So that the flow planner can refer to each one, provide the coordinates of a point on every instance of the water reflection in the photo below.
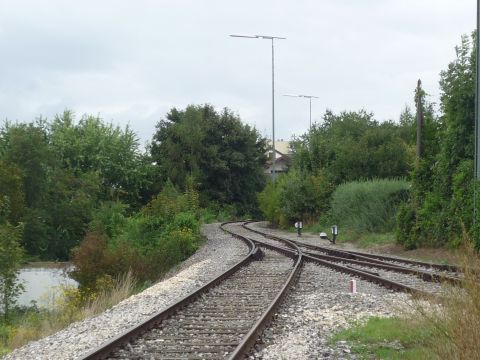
(41, 284)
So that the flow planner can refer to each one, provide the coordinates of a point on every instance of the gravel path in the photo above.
(80, 337)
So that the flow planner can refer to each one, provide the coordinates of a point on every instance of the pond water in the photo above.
(41, 284)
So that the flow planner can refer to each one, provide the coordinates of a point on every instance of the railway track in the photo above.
(221, 320)
(224, 319)
(417, 277)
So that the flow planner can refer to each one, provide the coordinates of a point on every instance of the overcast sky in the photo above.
(132, 61)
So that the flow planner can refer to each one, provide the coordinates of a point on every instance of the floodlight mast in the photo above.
(272, 38)
(309, 97)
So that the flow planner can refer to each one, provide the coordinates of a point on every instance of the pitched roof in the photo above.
(281, 146)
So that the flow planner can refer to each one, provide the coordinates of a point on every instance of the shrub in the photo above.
(91, 259)
(295, 196)
(109, 218)
(405, 226)
(368, 206)
(269, 202)
(186, 221)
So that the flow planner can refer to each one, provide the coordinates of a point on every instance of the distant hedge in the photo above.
(369, 206)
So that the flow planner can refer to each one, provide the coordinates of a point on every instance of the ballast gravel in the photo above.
(318, 307)
(219, 252)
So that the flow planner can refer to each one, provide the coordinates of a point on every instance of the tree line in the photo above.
(345, 147)
(440, 209)
(436, 208)
(56, 175)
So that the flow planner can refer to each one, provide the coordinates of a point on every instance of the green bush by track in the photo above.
(368, 206)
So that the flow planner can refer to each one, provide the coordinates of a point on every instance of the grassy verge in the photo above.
(388, 338)
(29, 324)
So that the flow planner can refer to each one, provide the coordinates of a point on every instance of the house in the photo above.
(283, 153)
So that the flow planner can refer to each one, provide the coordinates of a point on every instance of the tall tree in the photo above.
(352, 146)
(11, 255)
(223, 155)
(442, 203)
(92, 145)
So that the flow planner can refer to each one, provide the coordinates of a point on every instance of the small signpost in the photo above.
(334, 233)
(298, 226)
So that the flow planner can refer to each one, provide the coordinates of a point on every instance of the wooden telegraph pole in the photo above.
(420, 121)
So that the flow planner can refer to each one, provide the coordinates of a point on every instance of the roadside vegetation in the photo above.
(365, 176)
(350, 171)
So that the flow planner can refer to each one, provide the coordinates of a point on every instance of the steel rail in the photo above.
(442, 267)
(251, 337)
(104, 350)
(366, 275)
(424, 275)
(329, 261)
(375, 259)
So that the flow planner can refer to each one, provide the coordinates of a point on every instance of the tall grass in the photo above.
(457, 317)
(368, 206)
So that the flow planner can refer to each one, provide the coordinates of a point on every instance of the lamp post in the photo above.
(309, 97)
(272, 38)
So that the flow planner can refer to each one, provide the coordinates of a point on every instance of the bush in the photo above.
(405, 226)
(269, 202)
(368, 206)
(186, 221)
(148, 244)
(295, 196)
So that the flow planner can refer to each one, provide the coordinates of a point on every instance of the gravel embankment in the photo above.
(218, 253)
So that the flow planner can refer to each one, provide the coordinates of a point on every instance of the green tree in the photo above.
(454, 170)
(441, 206)
(26, 147)
(224, 156)
(11, 188)
(353, 146)
(91, 145)
(11, 255)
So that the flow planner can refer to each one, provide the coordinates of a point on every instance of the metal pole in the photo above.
(273, 89)
(273, 111)
(310, 98)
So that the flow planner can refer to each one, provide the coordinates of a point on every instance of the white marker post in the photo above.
(352, 287)
(334, 233)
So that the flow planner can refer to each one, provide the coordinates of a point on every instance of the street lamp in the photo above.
(309, 97)
(273, 86)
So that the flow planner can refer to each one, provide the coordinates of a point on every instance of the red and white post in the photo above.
(352, 287)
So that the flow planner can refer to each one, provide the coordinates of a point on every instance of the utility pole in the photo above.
(477, 101)
(477, 121)
(420, 120)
